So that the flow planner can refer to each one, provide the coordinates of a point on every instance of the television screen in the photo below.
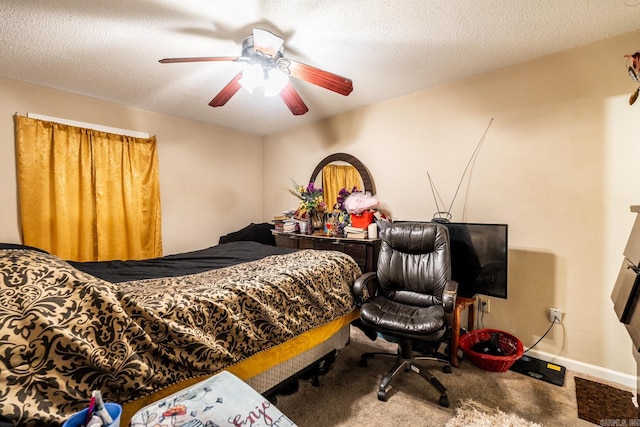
(479, 258)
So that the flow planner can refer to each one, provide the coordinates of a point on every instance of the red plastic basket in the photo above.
(510, 344)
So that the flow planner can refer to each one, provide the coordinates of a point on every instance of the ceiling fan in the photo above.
(268, 70)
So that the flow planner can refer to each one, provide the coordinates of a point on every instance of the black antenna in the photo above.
(475, 153)
(446, 216)
(442, 216)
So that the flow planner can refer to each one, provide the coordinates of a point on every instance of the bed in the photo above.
(140, 330)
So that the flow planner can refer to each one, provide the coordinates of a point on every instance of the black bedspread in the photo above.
(219, 256)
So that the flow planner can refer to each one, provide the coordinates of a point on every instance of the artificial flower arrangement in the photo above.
(339, 218)
(311, 200)
(342, 196)
(349, 203)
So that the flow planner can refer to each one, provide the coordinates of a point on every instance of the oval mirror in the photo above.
(345, 159)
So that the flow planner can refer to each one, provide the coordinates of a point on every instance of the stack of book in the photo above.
(284, 223)
(355, 232)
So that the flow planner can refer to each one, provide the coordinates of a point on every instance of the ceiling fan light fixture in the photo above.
(252, 77)
(275, 82)
(269, 83)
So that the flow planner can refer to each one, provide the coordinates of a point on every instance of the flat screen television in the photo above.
(479, 258)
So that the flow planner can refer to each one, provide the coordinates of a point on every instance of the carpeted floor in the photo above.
(347, 395)
(601, 403)
(470, 413)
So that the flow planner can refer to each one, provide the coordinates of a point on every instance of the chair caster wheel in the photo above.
(446, 369)
(444, 401)
(382, 395)
(363, 363)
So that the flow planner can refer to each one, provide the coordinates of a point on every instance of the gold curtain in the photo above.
(87, 195)
(337, 177)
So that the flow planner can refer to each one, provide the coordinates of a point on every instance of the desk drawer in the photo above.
(284, 241)
(357, 252)
(329, 245)
(305, 243)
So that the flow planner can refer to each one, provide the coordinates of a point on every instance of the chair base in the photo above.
(405, 360)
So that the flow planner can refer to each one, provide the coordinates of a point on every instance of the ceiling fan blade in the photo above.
(227, 92)
(316, 76)
(293, 100)
(266, 42)
(202, 59)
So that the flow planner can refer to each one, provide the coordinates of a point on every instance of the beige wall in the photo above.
(207, 174)
(559, 165)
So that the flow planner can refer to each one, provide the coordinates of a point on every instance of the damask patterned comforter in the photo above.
(64, 333)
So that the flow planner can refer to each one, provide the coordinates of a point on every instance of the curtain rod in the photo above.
(101, 128)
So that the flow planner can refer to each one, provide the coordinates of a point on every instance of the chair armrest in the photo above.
(449, 296)
(368, 281)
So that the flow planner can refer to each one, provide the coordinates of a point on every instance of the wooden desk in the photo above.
(461, 304)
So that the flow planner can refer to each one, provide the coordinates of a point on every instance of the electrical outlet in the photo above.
(555, 315)
(485, 306)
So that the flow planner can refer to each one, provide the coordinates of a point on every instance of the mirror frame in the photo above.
(367, 179)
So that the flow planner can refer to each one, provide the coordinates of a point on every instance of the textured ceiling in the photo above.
(109, 49)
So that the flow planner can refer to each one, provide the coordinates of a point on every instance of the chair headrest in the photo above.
(414, 237)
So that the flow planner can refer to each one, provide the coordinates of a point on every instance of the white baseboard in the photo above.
(605, 374)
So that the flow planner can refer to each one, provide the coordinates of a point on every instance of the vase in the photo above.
(309, 223)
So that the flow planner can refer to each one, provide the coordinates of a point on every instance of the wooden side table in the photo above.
(461, 304)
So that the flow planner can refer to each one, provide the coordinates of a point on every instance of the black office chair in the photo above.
(408, 296)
